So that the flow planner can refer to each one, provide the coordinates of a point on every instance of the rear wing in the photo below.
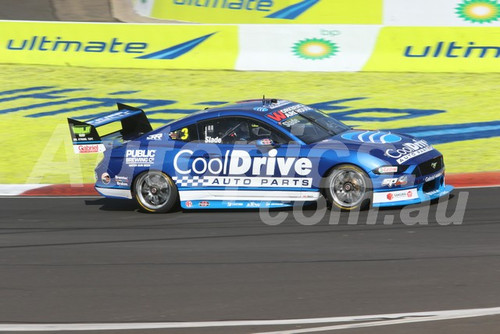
(86, 139)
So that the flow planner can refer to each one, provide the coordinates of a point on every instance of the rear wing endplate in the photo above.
(86, 139)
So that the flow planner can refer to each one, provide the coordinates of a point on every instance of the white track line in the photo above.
(410, 318)
(383, 320)
(18, 189)
(477, 187)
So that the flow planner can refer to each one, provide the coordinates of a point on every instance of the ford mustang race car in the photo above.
(254, 154)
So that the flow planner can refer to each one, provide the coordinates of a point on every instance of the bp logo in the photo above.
(315, 48)
(479, 11)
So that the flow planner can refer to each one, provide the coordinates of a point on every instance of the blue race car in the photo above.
(258, 153)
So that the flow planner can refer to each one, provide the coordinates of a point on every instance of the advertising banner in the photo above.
(478, 13)
(267, 11)
(119, 45)
(252, 47)
(305, 48)
(436, 49)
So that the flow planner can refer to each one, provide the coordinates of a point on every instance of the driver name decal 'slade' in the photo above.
(239, 169)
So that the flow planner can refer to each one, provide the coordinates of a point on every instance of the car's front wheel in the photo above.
(155, 191)
(348, 187)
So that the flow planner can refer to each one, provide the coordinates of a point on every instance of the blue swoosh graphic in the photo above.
(176, 50)
(372, 137)
(293, 11)
(56, 101)
(449, 133)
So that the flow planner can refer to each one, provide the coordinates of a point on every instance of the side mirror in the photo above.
(265, 142)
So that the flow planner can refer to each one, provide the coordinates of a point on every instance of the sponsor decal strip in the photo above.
(89, 148)
(463, 180)
(401, 181)
(249, 195)
(140, 158)
(395, 196)
(243, 181)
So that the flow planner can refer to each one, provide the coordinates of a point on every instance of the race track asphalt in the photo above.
(90, 260)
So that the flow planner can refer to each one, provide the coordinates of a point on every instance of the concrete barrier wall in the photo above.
(443, 13)
(384, 12)
(436, 49)
(119, 45)
(253, 46)
(265, 11)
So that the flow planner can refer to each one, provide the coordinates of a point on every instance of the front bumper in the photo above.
(411, 195)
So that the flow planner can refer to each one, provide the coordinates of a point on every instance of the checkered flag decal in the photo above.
(188, 181)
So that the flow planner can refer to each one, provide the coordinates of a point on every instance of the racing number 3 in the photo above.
(184, 133)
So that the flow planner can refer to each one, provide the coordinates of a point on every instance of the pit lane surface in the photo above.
(91, 260)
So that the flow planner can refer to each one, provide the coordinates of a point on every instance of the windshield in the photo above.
(308, 124)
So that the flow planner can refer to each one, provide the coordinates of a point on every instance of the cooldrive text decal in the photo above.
(239, 162)
(409, 150)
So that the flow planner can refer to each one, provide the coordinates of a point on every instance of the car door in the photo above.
(247, 160)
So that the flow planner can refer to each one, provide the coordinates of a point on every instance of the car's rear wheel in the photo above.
(155, 191)
(348, 187)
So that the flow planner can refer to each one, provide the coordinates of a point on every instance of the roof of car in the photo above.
(252, 107)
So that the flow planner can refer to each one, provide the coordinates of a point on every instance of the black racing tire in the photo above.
(348, 188)
(155, 191)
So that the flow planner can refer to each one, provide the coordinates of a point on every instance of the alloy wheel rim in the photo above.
(153, 190)
(347, 188)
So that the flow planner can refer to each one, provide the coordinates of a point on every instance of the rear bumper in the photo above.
(114, 192)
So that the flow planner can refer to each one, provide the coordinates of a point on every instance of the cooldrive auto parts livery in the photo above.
(258, 153)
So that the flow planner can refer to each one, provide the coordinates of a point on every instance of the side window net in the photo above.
(236, 130)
